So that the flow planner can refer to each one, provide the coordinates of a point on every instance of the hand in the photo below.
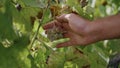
(75, 28)
(84, 32)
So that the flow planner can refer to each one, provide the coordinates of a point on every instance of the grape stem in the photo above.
(47, 47)
(40, 23)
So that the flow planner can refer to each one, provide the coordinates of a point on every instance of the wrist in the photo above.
(93, 32)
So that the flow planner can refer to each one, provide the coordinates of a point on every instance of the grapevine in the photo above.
(25, 44)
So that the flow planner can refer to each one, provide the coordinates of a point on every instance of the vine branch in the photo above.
(40, 23)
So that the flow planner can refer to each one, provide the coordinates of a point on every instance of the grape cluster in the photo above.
(54, 33)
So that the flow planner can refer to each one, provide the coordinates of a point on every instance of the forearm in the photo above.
(105, 28)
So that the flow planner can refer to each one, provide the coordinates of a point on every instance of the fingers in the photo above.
(59, 20)
(69, 43)
(62, 18)
(66, 27)
(65, 17)
(64, 44)
(51, 24)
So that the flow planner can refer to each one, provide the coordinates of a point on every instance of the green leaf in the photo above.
(77, 7)
(101, 53)
(56, 60)
(22, 19)
(6, 23)
(35, 3)
(47, 16)
(114, 45)
(76, 57)
(40, 59)
(22, 42)
(96, 56)
(14, 56)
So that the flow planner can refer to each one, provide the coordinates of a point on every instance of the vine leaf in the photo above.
(35, 3)
(6, 25)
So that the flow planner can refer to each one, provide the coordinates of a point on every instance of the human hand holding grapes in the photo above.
(83, 32)
(73, 28)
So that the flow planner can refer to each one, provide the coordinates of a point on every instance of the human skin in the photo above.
(83, 32)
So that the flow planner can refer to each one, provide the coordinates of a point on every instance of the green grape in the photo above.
(54, 34)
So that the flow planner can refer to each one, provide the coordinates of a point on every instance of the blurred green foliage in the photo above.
(21, 19)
